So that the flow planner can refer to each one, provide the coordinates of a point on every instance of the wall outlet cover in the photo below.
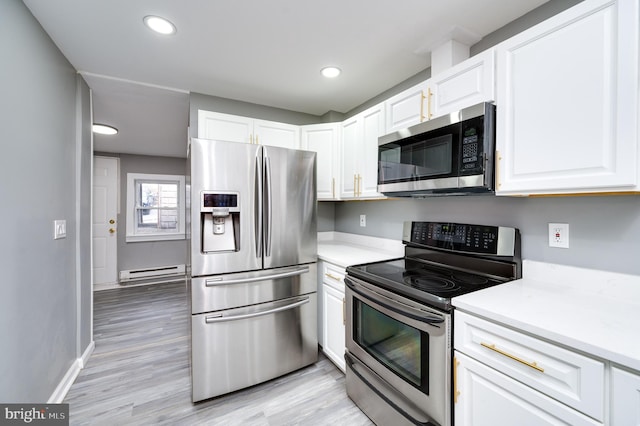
(559, 235)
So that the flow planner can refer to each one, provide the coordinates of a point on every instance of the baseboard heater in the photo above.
(159, 273)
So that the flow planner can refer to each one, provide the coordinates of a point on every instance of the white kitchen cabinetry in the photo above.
(467, 83)
(359, 142)
(486, 397)
(333, 313)
(323, 139)
(233, 128)
(407, 108)
(561, 374)
(567, 103)
(625, 398)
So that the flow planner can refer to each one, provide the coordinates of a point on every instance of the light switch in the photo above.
(59, 229)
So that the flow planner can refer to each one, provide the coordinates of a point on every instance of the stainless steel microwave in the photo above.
(448, 155)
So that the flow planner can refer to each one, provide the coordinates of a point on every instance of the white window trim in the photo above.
(131, 236)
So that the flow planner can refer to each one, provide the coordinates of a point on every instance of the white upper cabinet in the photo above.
(467, 83)
(359, 142)
(406, 108)
(567, 103)
(234, 128)
(323, 139)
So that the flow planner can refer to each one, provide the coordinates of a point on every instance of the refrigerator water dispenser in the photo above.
(220, 216)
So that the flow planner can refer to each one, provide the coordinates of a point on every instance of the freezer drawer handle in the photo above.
(220, 281)
(216, 318)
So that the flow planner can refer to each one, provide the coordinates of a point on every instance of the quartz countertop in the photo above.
(596, 312)
(344, 249)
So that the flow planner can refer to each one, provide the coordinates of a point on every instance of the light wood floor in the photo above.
(139, 373)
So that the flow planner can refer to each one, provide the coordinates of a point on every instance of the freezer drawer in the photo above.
(219, 292)
(237, 348)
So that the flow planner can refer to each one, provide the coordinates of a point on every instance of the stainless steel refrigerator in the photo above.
(252, 254)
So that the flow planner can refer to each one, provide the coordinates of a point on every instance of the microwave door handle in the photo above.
(258, 203)
(423, 317)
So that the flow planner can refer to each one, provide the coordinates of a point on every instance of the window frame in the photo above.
(132, 186)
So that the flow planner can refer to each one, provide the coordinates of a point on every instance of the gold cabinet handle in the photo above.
(359, 185)
(422, 98)
(111, 230)
(112, 221)
(333, 277)
(498, 161)
(456, 392)
(251, 138)
(513, 357)
(355, 185)
(429, 95)
(257, 143)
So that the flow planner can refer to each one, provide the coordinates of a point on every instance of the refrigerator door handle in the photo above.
(220, 281)
(268, 210)
(258, 203)
(219, 318)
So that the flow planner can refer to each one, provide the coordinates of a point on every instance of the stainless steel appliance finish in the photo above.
(252, 254)
(399, 322)
(448, 155)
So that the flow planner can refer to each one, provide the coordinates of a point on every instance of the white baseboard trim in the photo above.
(63, 387)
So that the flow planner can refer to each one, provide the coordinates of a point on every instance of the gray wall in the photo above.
(145, 254)
(604, 231)
(44, 150)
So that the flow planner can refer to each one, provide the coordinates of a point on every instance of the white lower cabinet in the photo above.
(486, 397)
(333, 313)
(625, 398)
(507, 377)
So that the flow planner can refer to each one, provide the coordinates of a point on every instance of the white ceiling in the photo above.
(258, 51)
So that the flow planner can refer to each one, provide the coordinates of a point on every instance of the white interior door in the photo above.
(105, 209)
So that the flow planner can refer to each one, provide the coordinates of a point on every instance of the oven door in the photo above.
(398, 354)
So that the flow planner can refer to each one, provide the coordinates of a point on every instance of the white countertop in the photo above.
(596, 312)
(344, 249)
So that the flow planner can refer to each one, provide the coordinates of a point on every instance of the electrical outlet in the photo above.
(363, 220)
(559, 235)
(59, 229)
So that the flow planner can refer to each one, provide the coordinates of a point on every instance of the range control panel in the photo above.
(466, 238)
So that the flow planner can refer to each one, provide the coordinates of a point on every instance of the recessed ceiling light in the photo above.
(330, 72)
(103, 129)
(159, 25)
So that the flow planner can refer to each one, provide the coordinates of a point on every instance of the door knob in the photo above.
(111, 230)
(112, 221)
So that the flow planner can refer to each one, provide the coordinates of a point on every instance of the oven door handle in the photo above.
(350, 364)
(429, 319)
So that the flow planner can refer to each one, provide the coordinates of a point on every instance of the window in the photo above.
(155, 207)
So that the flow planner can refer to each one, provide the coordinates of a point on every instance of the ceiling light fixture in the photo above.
(330, 72)
(104, 129)
(159, 25)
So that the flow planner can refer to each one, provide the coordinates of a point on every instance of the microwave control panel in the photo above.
(472, 147)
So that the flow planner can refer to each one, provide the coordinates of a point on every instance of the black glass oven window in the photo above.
(401, 348)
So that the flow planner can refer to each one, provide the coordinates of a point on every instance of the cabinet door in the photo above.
(406, 108)
(625, 398)
(272, 133)
(372, 128)
(224, 127)
(486, 397)
(323, 139)
(350, 144)
(468, 83)
(334, 323)
(567, 94)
